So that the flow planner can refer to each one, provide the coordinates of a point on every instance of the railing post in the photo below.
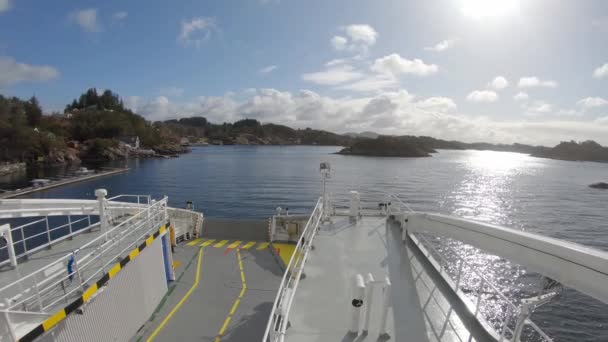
(38, 298)
(70, 224)
(23, 240)
(357, 301)
(103, 220)
(505, 323)
(368, 303)
(10, 329)
(459, 274)
(5, 230)
(483, 281)
(385, 305)
(48, 231)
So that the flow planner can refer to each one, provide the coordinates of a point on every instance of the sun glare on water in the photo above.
(480, 9)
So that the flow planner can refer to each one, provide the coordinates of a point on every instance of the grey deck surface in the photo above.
(202, 315)
(322, 305)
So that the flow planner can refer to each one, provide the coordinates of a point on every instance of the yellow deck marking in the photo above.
(235, 244)
(53, 320)
(115, 269)
(220, 244)
(181, 301)
(176, 264)
(237, 301)
(207, 243)
(262, 245)
(134, 253)
(248, 245)
(234, 306)
(89, 293)
(193, 242)
(285, 251)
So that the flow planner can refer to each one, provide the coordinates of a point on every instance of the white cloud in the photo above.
(371, 83)
(339, 43)
(333, 75)
(441, 46)
(533, 81)
(12, 72)
(569, 112)
(364, 34)
(171, 91)
(355, 38)
(521, 96)
(335, 62)
(592, 102)
(268, 69)
(499, 82)
(396, 65)
(482, 96)
(601, 72)
(439, 104)
(120, 15)
(5, 5)
(196, 31)
(86, 19)
(538, 107)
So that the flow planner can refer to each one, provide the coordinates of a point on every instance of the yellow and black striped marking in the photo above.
(52, 321)
(259, 245)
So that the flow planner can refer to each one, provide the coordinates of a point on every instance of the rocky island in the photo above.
(388, 146)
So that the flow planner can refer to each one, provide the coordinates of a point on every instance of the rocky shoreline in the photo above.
(8, 168)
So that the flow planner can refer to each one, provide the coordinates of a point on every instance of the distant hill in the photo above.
(367, 134)
(585, 151)
(252, 132)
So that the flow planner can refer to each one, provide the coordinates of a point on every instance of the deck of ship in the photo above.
(421, 308)
(212, 300)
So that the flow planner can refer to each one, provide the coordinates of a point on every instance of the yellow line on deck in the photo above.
(207, 243)
(237, 300)
(220, 244)
(234, 244)
(181, 301)
(248, 245)
(262, 245)
(193, 242)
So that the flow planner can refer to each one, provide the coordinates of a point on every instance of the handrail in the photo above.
(511, 307)
(100, 252)
(279, 318)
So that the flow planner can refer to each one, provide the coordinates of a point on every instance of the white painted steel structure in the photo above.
(279, 315)
(576, 266)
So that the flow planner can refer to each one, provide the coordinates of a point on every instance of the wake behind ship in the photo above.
(360, 267)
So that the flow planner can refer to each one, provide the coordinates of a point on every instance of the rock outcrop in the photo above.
(386, 146)
(599, 185)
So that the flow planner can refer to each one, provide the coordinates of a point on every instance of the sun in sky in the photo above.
(480, 9)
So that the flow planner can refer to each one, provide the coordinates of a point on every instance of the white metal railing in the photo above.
(66, 277)
(486, 290)
(45, 237)
(501, 329)
(139, 199)
(279, 315)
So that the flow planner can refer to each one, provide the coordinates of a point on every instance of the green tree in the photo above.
(33, 112)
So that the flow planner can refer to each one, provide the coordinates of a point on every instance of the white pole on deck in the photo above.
(103, 219)
(369, 295)
(5, 230)
(386, 303)
(356, 303)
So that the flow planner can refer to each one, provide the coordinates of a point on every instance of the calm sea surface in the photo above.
(544, 196)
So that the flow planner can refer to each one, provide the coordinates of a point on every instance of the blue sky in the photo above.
(533, 71)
